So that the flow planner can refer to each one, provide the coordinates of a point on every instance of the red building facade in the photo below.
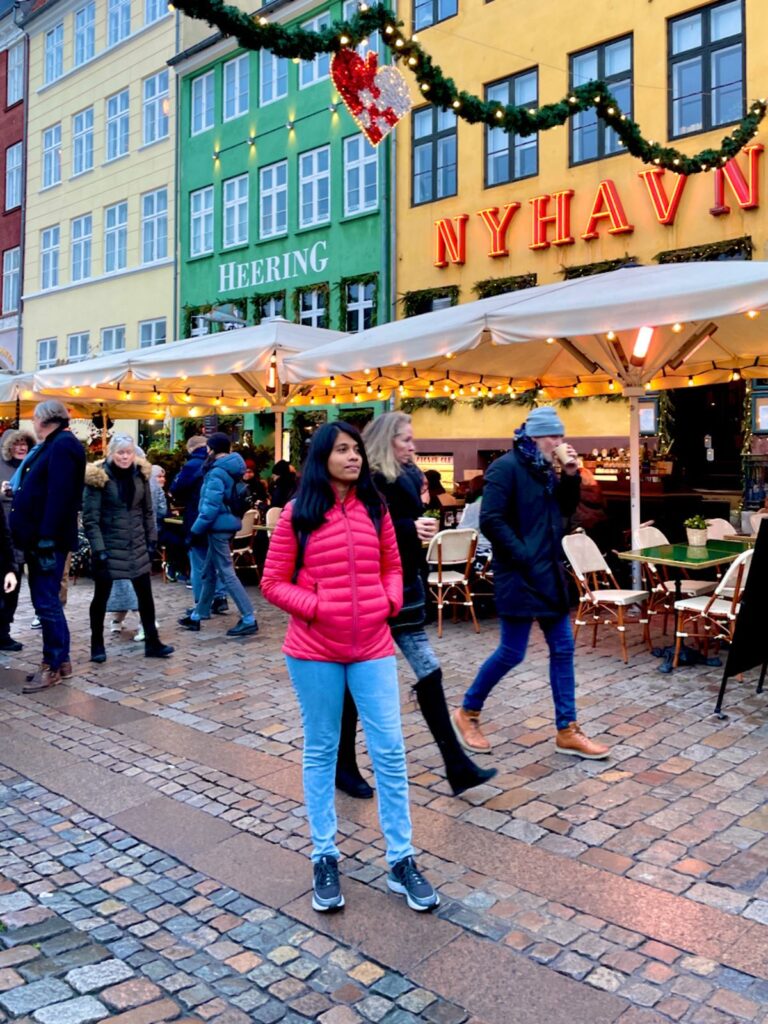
(13, 80)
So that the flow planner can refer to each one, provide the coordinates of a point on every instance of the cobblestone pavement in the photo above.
(153, 847)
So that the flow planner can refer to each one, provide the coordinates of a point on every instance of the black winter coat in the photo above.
(524, 525)
(126, 534)
(403, 498)
(49, 495)
(185, 487)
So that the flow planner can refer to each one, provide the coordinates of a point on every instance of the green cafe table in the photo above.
(689, 558)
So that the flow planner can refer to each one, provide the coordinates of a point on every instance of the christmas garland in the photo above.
(732, 249)
(421, 301)
(296, 43)
(362, 280)
(260, 301)
(528, 399)
(501, 285)
(325, 292)
(601, 267)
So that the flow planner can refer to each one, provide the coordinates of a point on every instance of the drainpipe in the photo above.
(22, 261)
(177, 190)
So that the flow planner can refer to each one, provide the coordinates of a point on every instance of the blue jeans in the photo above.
(196, 563)
(417, 651)
(218, 562)
(44, 590)
(511, 651)
(319, 686)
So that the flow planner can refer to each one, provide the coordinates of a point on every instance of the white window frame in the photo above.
(313, 71)
(11, 280)
(154, 10)
(360, 305)
(82, 141)
(113, 339)
(154, 225)
(118, 21)
(156, 108)
(236, 87)
(310, 176)
(116, 237)
(234, 201)
(152, 332)
(49, 257)
(270, 310)
(350, 9)
(201, 221)
(118, 125)
(269, 196)
(14, 79)
(203, 95)
(358, 165)
(46, 353)
(54, 53)
(78, 345)
(317, 312)
(85, 33)
(52, 156)
(81, 243)
(273, 78)
(14, 156)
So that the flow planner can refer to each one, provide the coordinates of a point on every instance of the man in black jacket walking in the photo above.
(524, 503)
(43, 523)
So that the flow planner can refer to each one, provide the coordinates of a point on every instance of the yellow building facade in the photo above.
(100, 225)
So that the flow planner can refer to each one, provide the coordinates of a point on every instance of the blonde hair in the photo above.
(120, 441)
(379, 435)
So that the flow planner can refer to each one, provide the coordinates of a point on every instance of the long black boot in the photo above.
(461, 772)
(348, 777)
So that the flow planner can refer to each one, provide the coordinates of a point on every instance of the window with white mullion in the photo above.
(360, 301)
(236, 87)
(315, 187)
(11, 279)
(273, 78)
(54, 53)
(13, 157)
(201, 221)
(49, 257)
(312, 71)
(154, 226)
(156, 108)
(81, 237)
(235, 211)
(202, 103)
(46, 353)
(152, 332)
(351, 8)
(15, 74)
(273, 200)
(113, 339)
(312, 308)
(154, 10)
(85, 33)
(77, 346)
(361, 175)
(115, 238)
(52, 156)
(118, 21)
(82, 141)
(118, 125)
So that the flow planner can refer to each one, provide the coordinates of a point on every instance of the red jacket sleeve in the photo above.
(391, 570)
(276, 585)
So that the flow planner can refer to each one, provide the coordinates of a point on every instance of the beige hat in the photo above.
(195, 442)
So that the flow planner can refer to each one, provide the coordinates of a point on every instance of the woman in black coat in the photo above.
(120, 524)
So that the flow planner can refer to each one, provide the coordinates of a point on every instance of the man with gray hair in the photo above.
(46, 499)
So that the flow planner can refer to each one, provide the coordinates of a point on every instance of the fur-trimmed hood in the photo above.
(97, 476)
(8, 440)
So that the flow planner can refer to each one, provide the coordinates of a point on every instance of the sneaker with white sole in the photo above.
(326, 889)
(36, 623)
(405, 879)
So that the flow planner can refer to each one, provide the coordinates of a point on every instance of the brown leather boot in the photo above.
(65, 669)
(572, 740)
(46, 678)
(466, 725)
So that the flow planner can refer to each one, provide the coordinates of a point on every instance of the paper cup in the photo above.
(563, 455)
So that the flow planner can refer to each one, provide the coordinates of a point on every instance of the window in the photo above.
(46, 353)
(311, 71)
(202, 103)
(273, 197)
(235, 194)
(77, 346)
(82, 141)
(315, 187)
(115, 238)
(14, 82)
(52, 156)
(350, 9)
(706, 58)
(113, 339)
(273, 77)
(270, 306)
(429, 12)
(151, 332)
(434, 155)
(154, 10)
(85, 33)
(201, 221)
(611, 63)
(154, 226)
(156, 108)
(54, 53)
(510, 157)
(13, 176)
(118, 21)
(236, 87)
(312, 308)
(361, 297)
(82, 234)
(361, 175)
(49, 257)
(118, 125)
(11, 279)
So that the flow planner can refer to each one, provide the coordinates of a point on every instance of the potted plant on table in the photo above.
(696, 530)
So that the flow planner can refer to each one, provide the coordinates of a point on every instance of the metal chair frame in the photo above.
(451, 586)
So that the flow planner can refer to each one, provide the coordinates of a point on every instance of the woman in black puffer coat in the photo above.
(119, 521)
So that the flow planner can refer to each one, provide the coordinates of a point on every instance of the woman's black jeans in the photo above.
(101, 591)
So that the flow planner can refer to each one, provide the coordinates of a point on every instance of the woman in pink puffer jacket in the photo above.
(333, 565)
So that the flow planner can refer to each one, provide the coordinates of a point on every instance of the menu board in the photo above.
(442, 463)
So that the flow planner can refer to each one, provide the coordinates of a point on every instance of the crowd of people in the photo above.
(347, 563)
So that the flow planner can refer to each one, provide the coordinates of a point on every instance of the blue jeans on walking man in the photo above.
(197, 558)
(44, 589)
(218, 562)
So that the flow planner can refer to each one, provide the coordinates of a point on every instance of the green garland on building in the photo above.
(419, 301)
(190, 312)
(601, 267)
(259, 302)
(528, 399)
(732, 249)
(362, 280)
(325, 292)
(501, 285)
(258, 33)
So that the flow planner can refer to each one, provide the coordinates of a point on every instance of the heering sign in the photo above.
(551, 214)
(273, 269)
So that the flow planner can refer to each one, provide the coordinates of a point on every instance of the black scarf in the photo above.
(126, 483)
(530, 455)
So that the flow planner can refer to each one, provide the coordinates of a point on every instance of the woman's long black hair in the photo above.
(315, 496)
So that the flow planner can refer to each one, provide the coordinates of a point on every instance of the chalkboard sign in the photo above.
(749, 647)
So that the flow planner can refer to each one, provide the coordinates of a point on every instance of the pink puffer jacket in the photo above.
(350, 583)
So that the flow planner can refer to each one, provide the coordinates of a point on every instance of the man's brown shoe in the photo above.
(65, 671)
(572, 740)
(43, 680)
(466, 725)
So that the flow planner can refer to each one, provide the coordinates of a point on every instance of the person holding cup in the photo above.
(524, 502)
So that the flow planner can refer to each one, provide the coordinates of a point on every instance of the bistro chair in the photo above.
(713, 619)
(755, 520)
(242, 543)
(601, 600)
(273, 514)
(453, 552)
(663, 590)
(717, 529)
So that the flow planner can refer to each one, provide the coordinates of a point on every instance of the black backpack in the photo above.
(238, 499)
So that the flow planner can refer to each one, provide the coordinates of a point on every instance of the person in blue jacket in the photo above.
(212, 531)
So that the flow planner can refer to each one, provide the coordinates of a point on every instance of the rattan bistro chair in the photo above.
(452, 551)
(273, 514)
(601, 600)
(242, 543)
(662, 589)
(718, 528)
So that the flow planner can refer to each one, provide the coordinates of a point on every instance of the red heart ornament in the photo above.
(377, 98)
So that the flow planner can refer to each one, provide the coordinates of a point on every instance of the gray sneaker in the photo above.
(326, 890)
(405, 879)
